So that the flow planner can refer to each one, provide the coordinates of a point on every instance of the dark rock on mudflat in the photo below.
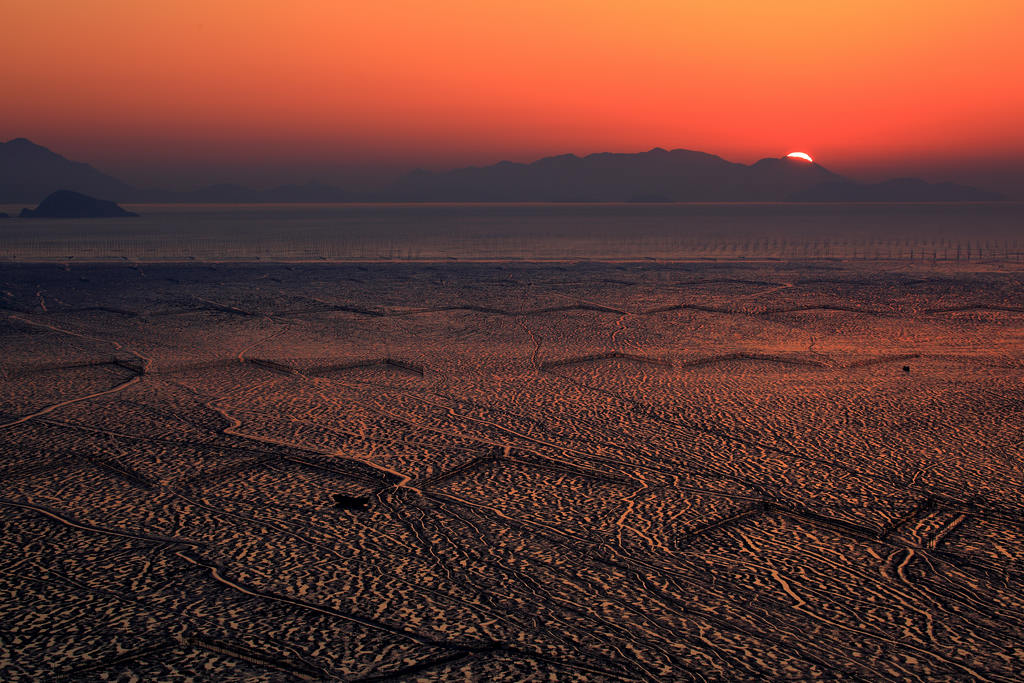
(68, 204)
(350, 502)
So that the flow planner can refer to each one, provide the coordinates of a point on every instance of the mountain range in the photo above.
(30, 172)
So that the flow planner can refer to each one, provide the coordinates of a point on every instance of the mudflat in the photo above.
(719, 470)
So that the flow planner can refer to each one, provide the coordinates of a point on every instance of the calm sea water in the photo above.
(525, 231)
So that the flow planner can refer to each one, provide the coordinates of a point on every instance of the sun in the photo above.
(800, 155)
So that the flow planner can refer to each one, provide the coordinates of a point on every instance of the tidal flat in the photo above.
(632, 470)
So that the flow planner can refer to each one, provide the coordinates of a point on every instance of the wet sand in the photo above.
(631, 470)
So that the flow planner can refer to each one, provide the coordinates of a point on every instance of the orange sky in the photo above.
(859, 84)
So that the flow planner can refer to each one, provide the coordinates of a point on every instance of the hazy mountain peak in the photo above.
(30, 172)
(22, 142)
(679, 175)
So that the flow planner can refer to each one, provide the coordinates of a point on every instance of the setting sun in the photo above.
(800, 155)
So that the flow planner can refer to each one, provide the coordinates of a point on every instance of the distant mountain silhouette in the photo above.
(68, 204)
(659, 175)
(29, 172)
(897, 190)
(311, 192)
(663, 176)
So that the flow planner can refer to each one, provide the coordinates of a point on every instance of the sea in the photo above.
(534, 232)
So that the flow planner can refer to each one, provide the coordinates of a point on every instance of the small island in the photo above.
(68, 204)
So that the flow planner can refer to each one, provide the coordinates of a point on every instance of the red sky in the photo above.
(157, 89)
